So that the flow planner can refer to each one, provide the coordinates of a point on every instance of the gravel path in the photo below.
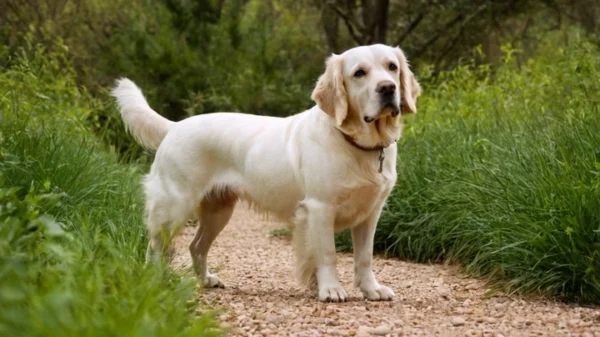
(262, 297)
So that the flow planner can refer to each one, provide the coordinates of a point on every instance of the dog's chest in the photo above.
(354, 205)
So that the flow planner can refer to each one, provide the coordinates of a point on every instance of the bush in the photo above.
(500, 172)
(72, 238)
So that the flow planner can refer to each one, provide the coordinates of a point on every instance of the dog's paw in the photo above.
(377, 293)
(332, 294)
(212, 281)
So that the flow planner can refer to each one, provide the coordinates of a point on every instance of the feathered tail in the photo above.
(146, 125)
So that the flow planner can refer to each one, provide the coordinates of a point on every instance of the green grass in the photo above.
(500, 172)
(281, 233)
(72, 238)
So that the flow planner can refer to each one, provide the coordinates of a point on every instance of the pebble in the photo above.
(274, 319)
(500, 306)
(502, 299)
(473, 286)
(488, 333)
(363, 331)
(381, 330)
(474, 333)
(458, 321)
(497, 314)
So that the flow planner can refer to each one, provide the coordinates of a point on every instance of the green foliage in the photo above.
(72, 238)
(189, 57)
(500, 172)
(282, 233)
(268, 68)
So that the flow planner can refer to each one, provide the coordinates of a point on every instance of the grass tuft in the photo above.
(72, 239)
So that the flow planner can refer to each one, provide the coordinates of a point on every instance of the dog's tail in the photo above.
(146, 125)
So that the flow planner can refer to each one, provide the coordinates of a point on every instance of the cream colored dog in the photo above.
(323, 170)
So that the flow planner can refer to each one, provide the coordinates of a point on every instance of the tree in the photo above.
(440, 31)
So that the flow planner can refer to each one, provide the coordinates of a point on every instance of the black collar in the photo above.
(350, 140)
(377, 148)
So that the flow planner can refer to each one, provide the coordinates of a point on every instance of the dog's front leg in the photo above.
(362, 241)
(320, 236)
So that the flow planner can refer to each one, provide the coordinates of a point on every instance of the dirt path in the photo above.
(262, 297)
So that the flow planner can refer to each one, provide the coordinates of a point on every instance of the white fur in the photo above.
(146, 126)
(299, 168)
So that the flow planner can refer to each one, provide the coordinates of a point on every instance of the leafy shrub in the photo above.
(72, 239)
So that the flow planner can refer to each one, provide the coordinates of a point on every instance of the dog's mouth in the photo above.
(387, 109)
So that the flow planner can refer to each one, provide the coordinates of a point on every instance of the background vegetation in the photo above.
(71, 235)
(498, 172)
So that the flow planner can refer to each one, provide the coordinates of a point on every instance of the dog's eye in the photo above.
(359, 73)
(393, 67)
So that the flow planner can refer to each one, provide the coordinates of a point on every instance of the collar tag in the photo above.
(381, 159)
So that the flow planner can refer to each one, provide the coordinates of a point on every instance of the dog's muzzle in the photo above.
(390, 108)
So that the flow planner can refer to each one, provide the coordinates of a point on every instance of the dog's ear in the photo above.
(411, 89)
(330, 93)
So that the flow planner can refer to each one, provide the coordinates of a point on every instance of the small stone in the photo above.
(502, 299)
(381, 330)
(334, 332)
(491, 320)
(500, 306)
(458, 321)
(273, 319)
(362, 332)
(473, 286)
(398, 333)
(464, 311)
(573, 323)
(497, 314)
(473, 333)
(517, 323)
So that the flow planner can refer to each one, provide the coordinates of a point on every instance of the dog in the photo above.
(323, 170)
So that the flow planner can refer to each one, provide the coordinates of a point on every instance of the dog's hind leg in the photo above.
(213, 214)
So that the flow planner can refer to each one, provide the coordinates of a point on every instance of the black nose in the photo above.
(386, 88)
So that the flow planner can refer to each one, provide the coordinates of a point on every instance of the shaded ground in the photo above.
(262, 297)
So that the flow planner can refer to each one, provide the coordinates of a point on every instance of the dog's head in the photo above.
(366, 84)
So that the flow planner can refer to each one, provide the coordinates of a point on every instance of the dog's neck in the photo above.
(373, 136)
(352, 142)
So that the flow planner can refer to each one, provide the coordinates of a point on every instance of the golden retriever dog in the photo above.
(322, 170)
